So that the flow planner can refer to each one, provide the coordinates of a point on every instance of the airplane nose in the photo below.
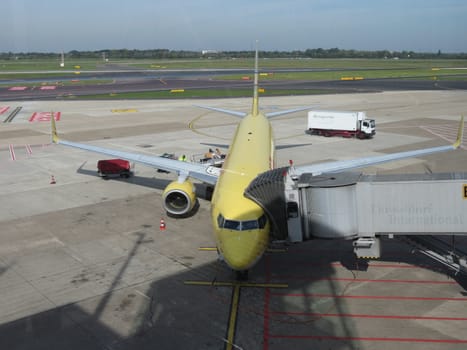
(244, 250)
(238, 263)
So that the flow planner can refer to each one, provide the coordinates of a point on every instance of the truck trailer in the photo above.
(340, 123)
(113, 168)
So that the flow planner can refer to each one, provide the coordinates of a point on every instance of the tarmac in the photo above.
(85, 265)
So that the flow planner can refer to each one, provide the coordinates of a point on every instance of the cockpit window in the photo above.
(220, 221)
(232, 225)
(262, 221)
(241, 225)
(250, 225)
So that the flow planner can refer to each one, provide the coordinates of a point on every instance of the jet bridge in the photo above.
(412, 207)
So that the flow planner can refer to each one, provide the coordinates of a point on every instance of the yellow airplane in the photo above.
(241, 226)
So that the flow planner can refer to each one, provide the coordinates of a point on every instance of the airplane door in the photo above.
(293, 222)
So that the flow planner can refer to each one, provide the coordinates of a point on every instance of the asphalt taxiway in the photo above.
(84, 264)
(138, 80)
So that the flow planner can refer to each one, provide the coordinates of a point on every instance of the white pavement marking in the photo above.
(445, 132)
(12, 152)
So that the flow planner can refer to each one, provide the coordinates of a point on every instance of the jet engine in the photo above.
(179, 198)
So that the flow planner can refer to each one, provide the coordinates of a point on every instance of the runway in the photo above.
(84, 264)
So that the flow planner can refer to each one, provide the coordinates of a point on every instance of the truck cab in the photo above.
(367, 128)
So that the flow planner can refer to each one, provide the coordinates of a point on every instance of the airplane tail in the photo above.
(255, 107)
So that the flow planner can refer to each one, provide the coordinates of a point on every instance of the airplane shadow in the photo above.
(203, 191)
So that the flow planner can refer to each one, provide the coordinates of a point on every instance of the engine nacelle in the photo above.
(179, 198)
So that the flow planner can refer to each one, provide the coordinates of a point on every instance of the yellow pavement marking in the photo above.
(235, 284)
(209, 249)
(269, 250)
(191, 126)
(124, 110)
(233, 317)
(235, 300)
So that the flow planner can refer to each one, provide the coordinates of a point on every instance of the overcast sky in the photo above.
(56, 25)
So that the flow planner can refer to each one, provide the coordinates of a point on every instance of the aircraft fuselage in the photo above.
(240, 226)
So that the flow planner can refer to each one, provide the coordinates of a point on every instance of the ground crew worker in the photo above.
(209, 154)
(182, 158)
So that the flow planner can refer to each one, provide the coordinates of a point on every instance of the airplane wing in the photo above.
(207, 174)
(243, 114)
(343, 165)
(287, 111)
(226, 111)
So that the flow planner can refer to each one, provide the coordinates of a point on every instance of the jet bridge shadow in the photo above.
(147, 305)
(164, 313)
(167, 314)
(396, 251)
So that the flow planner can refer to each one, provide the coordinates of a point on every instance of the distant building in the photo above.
(209, 52)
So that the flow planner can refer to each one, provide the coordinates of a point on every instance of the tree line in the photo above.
(185, 54)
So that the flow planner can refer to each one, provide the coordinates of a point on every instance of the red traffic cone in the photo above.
(162, 225)
(52, 180)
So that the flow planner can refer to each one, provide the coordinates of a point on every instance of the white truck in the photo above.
(339, 123)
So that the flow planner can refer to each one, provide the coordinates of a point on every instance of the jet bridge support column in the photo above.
(440, 250)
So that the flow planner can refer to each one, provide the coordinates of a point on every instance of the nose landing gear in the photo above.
(241, 275)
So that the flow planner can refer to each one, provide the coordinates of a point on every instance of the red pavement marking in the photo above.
(398, 317)
(267, 299)
(364, 280)
(44, 116)
(380, 297)
(4, 109)
(18, 88)
(12, 152)
(406, 340)
(48, 87)
(370, 265)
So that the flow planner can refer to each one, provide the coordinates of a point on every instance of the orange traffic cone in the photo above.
(162, 225)
(52, 180)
